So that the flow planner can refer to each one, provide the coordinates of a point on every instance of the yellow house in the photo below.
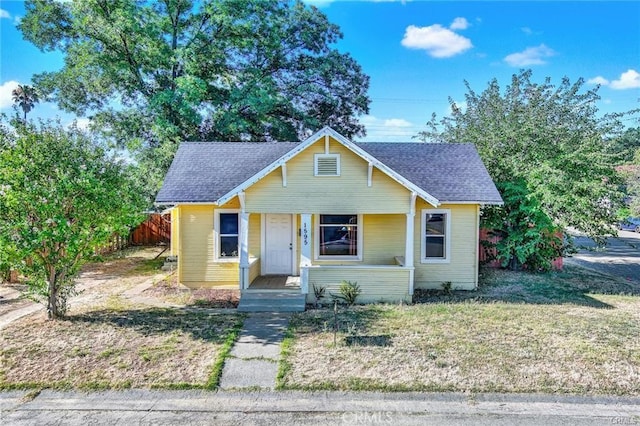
(296, 216)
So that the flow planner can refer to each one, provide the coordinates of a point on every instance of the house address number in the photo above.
(305, 234)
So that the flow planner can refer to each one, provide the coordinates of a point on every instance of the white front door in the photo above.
(278, 244)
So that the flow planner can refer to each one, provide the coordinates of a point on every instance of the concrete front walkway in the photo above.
(255, 356)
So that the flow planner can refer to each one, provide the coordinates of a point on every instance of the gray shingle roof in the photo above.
(206, 171)
(449, 172)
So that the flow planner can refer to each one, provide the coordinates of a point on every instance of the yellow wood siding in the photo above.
(347, 193)
(462, 267)
(254, 236)
(175, 235)
(377, 284)
(384, 238)
(196, 264)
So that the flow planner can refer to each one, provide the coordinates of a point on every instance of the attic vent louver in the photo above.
(327, 165)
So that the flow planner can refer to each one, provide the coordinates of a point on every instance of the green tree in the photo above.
(61, 195)
(527, 236)
(631, 175)
(154, 73)
(624, 146)
(549, 137)
(26, 98)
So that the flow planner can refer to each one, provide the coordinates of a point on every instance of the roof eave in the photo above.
(482, 203)
(175, 203)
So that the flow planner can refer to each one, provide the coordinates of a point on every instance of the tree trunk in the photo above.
(52, 302)
(514, 264)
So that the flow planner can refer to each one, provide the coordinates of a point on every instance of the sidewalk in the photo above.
(255, 355)
(200, 407)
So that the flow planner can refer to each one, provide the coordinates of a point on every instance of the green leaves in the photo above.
(527, 236)
(550, 137)
(207, 70)
(62, 196)
(544, 144)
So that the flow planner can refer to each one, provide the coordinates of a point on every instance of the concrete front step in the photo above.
(271, 301)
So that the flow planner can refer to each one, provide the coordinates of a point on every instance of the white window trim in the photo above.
(447, 237)
(316, 238)
(315, 164)
(216, 236)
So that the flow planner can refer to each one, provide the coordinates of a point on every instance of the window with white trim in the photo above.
(436, 236)
(227, 234)
(326, 165)
(339, 236)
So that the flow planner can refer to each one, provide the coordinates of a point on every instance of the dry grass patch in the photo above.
(115, 348)
(171, 291)
(540, 339)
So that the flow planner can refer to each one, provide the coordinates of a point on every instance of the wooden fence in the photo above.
(117, 242)
(155, 229)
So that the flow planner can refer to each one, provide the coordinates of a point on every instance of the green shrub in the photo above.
(318, 293)
(349, 292)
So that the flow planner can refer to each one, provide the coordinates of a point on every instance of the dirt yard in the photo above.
(131, 276)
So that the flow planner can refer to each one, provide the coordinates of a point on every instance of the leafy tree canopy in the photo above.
(61, 196)
(631, 175)
(624, 147)
(550, 137)
(153, 73)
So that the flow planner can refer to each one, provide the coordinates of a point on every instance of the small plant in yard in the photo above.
(349, 292)
(447, 287)
(318, 293)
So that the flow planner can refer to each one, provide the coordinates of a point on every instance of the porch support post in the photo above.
(244, 251)
(244, 244)
(408, 248)
(305, 251)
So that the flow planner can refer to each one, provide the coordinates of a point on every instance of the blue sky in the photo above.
(418, 53)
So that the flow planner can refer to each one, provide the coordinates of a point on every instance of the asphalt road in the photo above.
(141, 407)
(620, 257)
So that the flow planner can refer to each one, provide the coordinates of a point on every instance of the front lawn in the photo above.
(119, 335)
(117, 348)
(519, 333)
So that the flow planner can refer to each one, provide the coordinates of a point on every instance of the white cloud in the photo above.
(389, 129)
(628, 80)
(397, 122)
(459, 24)
(6, 15)
(526, 30)
(439, 42)
(82, 123)
(6, 100)
(530, 56)
(598, 80)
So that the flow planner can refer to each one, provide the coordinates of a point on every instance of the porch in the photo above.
(273, 293)
(275, 282)
(291, 254)
(284, 293)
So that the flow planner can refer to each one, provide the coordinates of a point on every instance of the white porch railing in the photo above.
(379, 283)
